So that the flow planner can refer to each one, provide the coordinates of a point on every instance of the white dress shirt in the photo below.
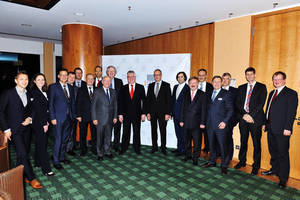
(92, 89)
(113, 83)
(67, 88)
(97, 80)
(179, 89)
(248, 88)
(226, 87)
(155, 86)
(216, 93)
(203, 86)
(129, 87)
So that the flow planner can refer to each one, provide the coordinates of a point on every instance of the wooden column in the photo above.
(48, 61)
(82, 47)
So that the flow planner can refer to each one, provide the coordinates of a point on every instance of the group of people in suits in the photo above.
(199, 110)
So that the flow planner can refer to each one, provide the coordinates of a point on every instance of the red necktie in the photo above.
(131, 92)
(98, 84)
(274, 96)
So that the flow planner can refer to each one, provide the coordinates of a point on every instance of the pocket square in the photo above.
(220, 99)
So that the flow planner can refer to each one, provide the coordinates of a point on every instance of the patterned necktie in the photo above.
(66, 92)
(214, 95)
(274, 97)
(248, 98)
(193, 95)
(107, 94)
(156, 90)
(201, 87)
(91, 93)
(131, 92)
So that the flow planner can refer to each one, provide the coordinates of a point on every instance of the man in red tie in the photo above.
(192, 119)
(250, 101)
(280, 114)
(131, 111)
(98, 76)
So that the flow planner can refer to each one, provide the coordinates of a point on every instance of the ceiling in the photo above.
(121, 23)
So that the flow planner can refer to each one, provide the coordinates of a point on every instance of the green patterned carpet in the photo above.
(151, 177)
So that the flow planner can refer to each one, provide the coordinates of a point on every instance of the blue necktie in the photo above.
(214, 95)
(110, 86)
(107, 94)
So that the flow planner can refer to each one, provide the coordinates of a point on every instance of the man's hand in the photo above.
(115, 120)
(148, 117)
(167, 117)
(143, 117)
(95, 122)
(121, 118)
(287, 132)
(79, 119)
(7, 136)
(248, 118)
(202, 126)
(54, 122)
(27, 121)
(181, 124)
(222, 125)
(45, 128)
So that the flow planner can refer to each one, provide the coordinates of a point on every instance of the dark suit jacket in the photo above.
(233, 93)
(282, 111)
(193, 113)
(257, 102)
(219, 110)
(162, 104)
(118, 84)
(83, 104)
(135, 107)
(12, 111)
(177, 103)
(40, 108)
(59, 105)
(103, 110)
(100, 84)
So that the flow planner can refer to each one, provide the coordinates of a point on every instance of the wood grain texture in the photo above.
(82, 47)
(48, 61)
(276, 46)
(197, 40)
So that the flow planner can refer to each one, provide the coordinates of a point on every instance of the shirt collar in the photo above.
(253, 84)
(280, 88)
(226, 87)
(20, 92)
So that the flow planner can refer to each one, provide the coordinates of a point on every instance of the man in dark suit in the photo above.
(250, 101)
(83, 114)
(62, 111)
(220, 109)
(72, 143)
(280, 114)
(98, 76)
(159, 109)
(233, 122)
(15, 117)
(192, 118)
(132, 111)
(78, 78)
(177, 97)
(207, 88)
(104, 115)
(116, 84)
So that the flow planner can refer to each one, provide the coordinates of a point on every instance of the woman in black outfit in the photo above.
(40, 116)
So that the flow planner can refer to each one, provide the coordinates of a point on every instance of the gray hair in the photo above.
(111, 66)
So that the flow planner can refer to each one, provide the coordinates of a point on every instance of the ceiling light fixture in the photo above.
(230, 15)
(132, 38)
(129, 8)
(26, 25)
(179, 26)
(149, 33)
(275, 4)
(79, 14)
(197, 23)
(170, 29)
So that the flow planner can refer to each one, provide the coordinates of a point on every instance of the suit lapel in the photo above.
(19, 98)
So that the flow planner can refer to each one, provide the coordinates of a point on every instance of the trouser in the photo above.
(189, 135)
(104, 133)
(179, 131)
(117, 136)
(136, 124)
(83, 133)
(162, 128)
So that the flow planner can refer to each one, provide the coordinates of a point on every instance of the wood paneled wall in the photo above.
(48, 61)
(197, 40)
(276, 46)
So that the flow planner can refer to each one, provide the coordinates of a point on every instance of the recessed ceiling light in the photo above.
(230, 14)
(275, 4)
(26, 25)
(79, 14)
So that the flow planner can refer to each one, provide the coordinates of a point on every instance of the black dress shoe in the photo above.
(185, 159)
(83, 153)
(164, 151)
(175, 151)
(138, 153)
(179, 154)
(282, 185)
(58, 166)
(268, 173)
(110, 156)
(117, 150)
(153, 151)
(224, 170)
(94, 152)
(208, 164)
(49, 174)
(72, 153)
(100, 158)
(239, 165)
(254, 171)
(65, 161)
(195, 162)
